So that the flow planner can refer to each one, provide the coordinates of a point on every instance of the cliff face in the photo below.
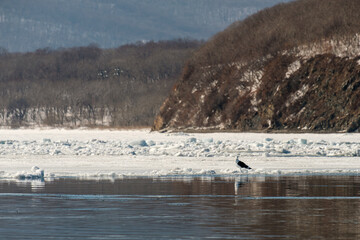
(321, 94)
(312, 86)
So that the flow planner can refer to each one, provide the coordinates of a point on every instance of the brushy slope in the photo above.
(291, 67)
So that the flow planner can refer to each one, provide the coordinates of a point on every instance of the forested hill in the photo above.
(26, 25)
(90, 86)
(292, 67)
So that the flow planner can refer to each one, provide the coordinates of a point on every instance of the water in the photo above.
(286, 207)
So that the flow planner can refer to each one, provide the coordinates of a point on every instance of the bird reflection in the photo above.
(239, 183)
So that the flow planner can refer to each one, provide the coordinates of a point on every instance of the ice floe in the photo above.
(34, 174)
(115, 154)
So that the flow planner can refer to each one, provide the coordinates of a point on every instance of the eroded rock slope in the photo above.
(287, 82)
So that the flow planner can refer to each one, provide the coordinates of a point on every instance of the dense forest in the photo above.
(90, 86)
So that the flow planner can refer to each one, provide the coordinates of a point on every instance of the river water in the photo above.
(256, 207)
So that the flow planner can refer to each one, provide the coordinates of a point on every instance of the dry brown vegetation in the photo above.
(259, 43)
(280, 28)
(86, 85)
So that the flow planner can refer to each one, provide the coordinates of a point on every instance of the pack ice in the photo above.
(49, 153)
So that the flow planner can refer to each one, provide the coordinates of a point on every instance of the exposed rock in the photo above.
(323, 94)
(309, 87)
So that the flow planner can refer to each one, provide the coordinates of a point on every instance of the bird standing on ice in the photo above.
(241, 164)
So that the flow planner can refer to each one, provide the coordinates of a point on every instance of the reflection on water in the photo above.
(297, 207)
(35, 185)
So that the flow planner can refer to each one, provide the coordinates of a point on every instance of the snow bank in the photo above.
(115, 154)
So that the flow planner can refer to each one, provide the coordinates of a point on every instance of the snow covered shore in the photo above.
(115, 154)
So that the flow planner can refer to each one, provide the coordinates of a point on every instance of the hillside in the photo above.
(90, 86)
(28, 25)
(292, 67)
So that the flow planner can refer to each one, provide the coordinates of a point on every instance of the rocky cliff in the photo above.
(275, 71)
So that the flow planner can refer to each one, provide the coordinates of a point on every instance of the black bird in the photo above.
(241, 164)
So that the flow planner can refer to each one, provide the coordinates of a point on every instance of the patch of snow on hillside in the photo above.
(253, 77)
(297, 95)
(293, 68)
(341, 47)
(214, 83)
(237, 65)
(202, 98)
(241, 89)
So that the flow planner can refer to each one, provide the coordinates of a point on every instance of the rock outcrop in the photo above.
(286, 82)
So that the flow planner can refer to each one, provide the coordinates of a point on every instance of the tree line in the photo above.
(90, 86)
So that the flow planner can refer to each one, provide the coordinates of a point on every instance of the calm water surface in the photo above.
(296, 207)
